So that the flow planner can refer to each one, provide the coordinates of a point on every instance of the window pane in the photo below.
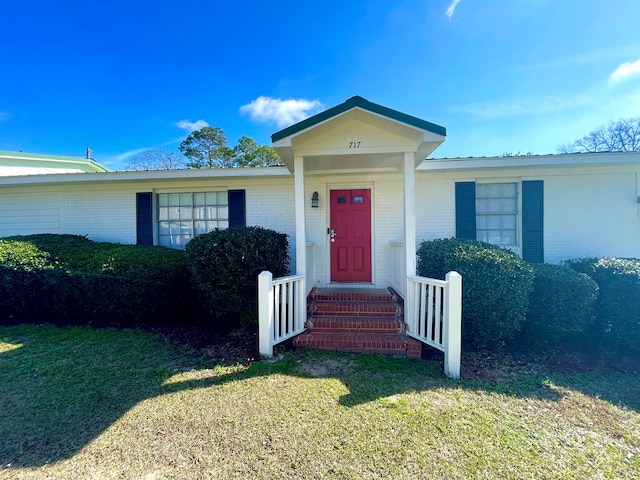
(212, 198)
(163, 213)
(509, 205)
(174, 199)
(494, 237)
(509, 237)
(508, 222)
(494, 190)
(210, 213)
(481, 190)
(163, 201)
(223, 198)
(211, 226)
(223, 213)
(163, 228)
(495, 205)
(509, 189)
(199, 213)
(481, 222)
(186, 199)
(198, 199)
(481, 235)
(200, 227)
(164, 241)
(185, 213)
(482, 206)
(493, 221)
(223, 224)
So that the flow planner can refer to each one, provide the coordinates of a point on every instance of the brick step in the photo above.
(362, 325)
(387, 344)
(375, 296)
(353, 308)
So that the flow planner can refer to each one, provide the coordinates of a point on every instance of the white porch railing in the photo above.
(433, 313)
(282, 309)
(398, 268)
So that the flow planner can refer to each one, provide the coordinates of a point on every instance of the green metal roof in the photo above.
(88, 162)
(364, 104)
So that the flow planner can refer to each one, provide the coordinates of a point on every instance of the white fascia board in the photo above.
(570, 159)
(134, 176)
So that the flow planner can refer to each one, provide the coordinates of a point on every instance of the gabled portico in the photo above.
(349, 148)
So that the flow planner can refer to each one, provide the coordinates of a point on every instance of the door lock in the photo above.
(332, 234)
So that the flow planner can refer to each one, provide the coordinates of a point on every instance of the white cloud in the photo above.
(192, 126)
(282, 112)
(625, 70)
(452, 8)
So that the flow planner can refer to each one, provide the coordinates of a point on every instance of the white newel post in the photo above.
(453, 325)
(265, 313)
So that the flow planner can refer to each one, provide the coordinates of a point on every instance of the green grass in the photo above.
(84, 403)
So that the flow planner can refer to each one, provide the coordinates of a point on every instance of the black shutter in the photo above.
(144, 218)
(237, 209)
(466, 210)
(533, 221)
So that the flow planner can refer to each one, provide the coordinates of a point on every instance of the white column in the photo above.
(301, 236)
(409, 214)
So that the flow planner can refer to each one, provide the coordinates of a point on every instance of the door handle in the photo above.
(332, 234)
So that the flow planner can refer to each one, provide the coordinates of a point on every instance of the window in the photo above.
(497, 213)
(181, 216)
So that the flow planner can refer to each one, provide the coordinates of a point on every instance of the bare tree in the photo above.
(620, 136)
(157, 159)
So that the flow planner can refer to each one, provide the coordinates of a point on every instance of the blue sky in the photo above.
(500, 75)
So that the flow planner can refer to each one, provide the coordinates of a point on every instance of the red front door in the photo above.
(350, 235)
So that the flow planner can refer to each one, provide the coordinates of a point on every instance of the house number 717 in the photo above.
(354, 144)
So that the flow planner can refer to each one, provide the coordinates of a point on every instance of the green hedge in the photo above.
(225, 265)
(618, 304)
(561, 306)
(69, 279)
(496, 285)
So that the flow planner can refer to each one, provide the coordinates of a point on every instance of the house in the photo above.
(355, 196)
(357, 163)
(19, 163)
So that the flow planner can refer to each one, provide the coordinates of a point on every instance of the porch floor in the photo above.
(362, 320)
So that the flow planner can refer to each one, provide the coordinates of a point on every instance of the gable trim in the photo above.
(364, 104)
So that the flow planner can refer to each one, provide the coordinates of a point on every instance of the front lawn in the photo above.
(101, 403)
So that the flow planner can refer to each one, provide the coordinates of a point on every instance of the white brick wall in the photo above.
(102, 215)
(591, 215)
(435, 207)
(27, 213)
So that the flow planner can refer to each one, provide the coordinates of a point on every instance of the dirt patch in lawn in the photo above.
(239, 346)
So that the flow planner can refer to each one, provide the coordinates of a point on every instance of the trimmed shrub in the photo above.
(561, 305)
(69, 279)
(225, 265)
(496, 285)
(618, 304)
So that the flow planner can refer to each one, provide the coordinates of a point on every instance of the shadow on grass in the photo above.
(62, 387)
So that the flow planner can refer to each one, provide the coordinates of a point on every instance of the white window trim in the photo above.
(517, 249)
(156, 210)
